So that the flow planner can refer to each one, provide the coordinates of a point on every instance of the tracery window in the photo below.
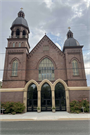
(14, 68)
(46, 70)
(75, 67)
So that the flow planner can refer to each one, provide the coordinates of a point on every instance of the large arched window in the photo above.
(46, 70)
(14, 68)
(46, 97)
(32, 98)
(75, 67)
(60, 98)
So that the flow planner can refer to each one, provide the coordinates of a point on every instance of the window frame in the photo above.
(14, 68)
(46, 70)
(75, 68)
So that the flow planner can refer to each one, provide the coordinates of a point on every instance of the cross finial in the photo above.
(69, 28)
(45, 33)
(21, 8)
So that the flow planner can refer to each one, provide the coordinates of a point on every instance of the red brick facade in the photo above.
(12, 96)
(29, 64)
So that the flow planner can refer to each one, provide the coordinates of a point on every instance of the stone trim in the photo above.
(45, 81)
(61, 81)
(12, 90)
(39, 86)
(78, 88)
(23, 89)
(14, 80)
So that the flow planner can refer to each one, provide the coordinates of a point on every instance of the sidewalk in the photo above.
(44, 116)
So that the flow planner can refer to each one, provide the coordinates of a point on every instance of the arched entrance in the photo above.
(32, 98)
(46, 98)
(60, 98)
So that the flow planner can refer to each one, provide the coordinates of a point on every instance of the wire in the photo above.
(38, 69)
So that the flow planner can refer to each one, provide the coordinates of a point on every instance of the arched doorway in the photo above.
(32, 98)
(60, 98)
(46, 98)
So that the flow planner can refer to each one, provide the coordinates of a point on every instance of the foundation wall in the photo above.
(79, 94)
(11, 96)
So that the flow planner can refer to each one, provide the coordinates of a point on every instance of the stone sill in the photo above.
(76, 75)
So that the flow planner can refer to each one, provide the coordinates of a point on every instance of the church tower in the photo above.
(16, 54)
(74, 61)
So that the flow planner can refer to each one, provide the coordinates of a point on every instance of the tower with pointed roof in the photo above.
(74, 60)
(16, 52)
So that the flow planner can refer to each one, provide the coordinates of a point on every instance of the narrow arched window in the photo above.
(13, 44)
(17, 33)
(19, 44)
(46, 70)
(75, 67)
(24, 33)
(14, 68)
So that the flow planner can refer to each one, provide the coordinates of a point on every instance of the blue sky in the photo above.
(52, 17)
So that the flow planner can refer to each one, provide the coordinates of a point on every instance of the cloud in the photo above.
(87, 63)
(48, 3)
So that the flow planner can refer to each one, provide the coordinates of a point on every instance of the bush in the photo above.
(76, 106)
(13, 113)
(13, 107)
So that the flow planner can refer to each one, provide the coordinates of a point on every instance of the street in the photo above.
(45, 128)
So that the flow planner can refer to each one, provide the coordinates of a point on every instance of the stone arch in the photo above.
(45, 81)
(46, 56)
(61, 81)
(30, 82)
(66, 92)
(25, 92)
(74, 58)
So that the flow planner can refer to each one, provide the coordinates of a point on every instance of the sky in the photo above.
(52, 17)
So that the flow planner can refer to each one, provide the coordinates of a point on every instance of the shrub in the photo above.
(13, 107)
(76, 106)
(13, 113)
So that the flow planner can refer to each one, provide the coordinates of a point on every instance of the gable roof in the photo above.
(45, 37)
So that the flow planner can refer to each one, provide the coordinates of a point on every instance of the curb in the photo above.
(60, 119)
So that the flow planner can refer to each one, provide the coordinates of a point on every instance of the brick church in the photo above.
(45, 77)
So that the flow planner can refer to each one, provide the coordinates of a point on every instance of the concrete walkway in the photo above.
(42, 116)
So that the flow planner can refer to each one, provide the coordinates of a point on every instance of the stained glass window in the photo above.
(46, 70)
(75, 67)
(14, 68)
